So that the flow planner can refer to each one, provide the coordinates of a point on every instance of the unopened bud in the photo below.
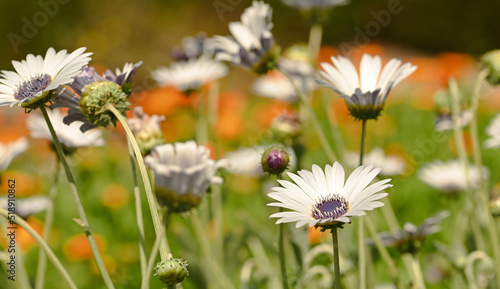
(275, 160)
(491, 62)
(171, 271)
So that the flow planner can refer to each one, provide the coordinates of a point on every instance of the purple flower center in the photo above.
(31, 87)
(330, 208)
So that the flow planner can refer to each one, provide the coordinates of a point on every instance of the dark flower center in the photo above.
(31, 87)
(330, 208)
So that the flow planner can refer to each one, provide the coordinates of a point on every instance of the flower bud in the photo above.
(286, 126)
(96, 95)
(491, 62)
(172, 271)
(146, 129)
(275, 160)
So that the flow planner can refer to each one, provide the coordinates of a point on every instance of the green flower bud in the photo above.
(491, 62)
(97, 94)
(275, 160)
(171, 271)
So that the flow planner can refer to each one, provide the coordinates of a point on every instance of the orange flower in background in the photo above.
(22, 237)
(457, 65)
(229, 124)
(325, 52)
(467, 143)
(160, 101)
(114, 196)
(77, 248)
(339, 108)
(109, 263)
(264, 114)
(315, 236)
(26, 185)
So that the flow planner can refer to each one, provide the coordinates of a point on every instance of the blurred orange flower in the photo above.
(77, 248)
(114, 196)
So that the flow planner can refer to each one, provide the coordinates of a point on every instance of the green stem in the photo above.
(49, 217)
(315, 35)
(151, 264)
(216, 273)
(43, 245)
(336, 258)
(138, 213)
(281, 249)
(462, 154)
(79, 206)
(417, 271)
(216, 201)
(393, 271)
(147, 184)
(361, 244)
(307, 104)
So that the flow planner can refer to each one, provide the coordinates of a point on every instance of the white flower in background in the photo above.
(146, 129)
(493, 131)
(26, 207)
(193, 47)
(322, 198)
(10, 151)
(251, 40)
(36, 76)
(183, 174)
(390, 165)
(449, 176)
(190, 75)
(247, 160)
(308, 4)
(69, 135)
(365, 93)
(275, 85)
(445, 121)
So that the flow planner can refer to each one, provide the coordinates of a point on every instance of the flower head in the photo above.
(493, 131)
(251, 44)
(36, 77)
(10, 151)
(449, 177)
(390, 165)
(189, 76)
(171, 271)
(308, 4)
(411, 238)
(70, 136)
(183, 174)
(365, 93)
(275, 85)
(146, 129)
(86, 95)
(26, 207)
(322, 199)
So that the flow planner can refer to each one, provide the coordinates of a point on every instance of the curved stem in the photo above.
(281, 248)
(417, 271)
(138, 213)
(336, 258)
(49, 217)
(43, 245)
(145, 178)
(79, 206)
(361, 244)
(307, 104)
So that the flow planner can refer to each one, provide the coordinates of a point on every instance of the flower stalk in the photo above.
(79, 206)
(336, 258)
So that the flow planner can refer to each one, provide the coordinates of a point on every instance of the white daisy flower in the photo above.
(390, 165)
(365, 93)
(275, 85)
(10, 151)
(322, 198)
(493, 130)
(188, 76)
(247, 160)
(26, 207)
(308, 4)
(36, 76)
(251, 39)
(69, 135)
(192, 47)
(183, 174)
(445, 121)
(449, 176)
